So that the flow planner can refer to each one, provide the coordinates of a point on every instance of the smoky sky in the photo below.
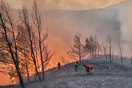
(64, 4)
(125, 14)
(99, 22)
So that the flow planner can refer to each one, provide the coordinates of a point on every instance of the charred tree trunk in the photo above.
(15, 60)
(110, 54)
(121, 58)
(25, 20)
(79, 54)
(27, 70)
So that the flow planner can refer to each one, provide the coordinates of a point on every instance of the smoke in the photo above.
(64, 24)
(125, 13)
(126, 19)
(65, 4)
(16, 4)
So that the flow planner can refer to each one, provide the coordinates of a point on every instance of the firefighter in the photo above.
(59, 65)
(88, 68)
(76, 65)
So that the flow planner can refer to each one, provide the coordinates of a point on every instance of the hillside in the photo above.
(104, 75)
(63, 24)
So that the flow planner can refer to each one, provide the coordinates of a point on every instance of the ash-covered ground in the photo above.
(104, 75)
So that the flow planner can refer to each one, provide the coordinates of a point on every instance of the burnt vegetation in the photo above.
(22, 44)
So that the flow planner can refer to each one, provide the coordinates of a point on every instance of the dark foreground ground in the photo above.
(104, 75)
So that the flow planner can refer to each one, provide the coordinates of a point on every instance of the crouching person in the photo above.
(88, 68)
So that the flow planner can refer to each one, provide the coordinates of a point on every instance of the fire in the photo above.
(40, 69)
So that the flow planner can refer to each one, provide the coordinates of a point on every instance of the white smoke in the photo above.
(125, 13)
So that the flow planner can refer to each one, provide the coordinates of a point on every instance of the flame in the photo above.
(40, 69)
